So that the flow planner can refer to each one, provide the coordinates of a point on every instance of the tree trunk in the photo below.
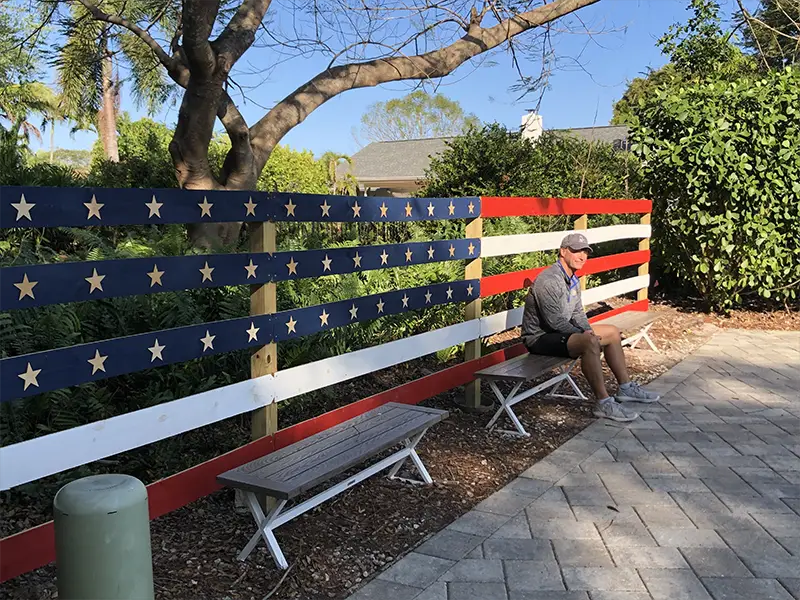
(189, 151)
(107, 116)
(52, 140)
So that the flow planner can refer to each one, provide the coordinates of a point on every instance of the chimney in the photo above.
(531, 126)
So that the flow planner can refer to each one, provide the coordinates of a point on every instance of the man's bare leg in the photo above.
(611, 342)
(587, 347)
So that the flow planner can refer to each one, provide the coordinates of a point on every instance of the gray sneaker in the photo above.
(636, 393)
(615, 411)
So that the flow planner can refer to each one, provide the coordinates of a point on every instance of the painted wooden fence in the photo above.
(262, 331)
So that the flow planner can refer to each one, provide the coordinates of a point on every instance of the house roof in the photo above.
(406, 160)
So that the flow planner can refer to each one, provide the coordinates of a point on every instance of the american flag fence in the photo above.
(36, 285)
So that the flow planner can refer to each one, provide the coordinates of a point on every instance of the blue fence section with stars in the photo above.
(49, 370)
(80, 207)
(38, 285)
(41, 285)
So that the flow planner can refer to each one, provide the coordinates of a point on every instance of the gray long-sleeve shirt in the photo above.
(553, 305)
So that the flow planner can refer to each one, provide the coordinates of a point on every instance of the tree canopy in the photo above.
(416, 115)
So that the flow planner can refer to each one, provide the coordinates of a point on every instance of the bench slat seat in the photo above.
(634, 320)
(295, 469)
(522, 368)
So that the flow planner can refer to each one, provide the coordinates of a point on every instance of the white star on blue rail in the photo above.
(155, 350)
(23, 208)
(97, 362)
(29, 377)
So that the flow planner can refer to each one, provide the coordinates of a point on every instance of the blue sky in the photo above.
(577, 97)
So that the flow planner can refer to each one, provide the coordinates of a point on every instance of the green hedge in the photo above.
(722, 162)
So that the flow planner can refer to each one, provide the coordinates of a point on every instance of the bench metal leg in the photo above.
(566, 371)
(276, 518)
(411, 445)
(505, 406)
(506, 402)
(642, 335)
(265, 526)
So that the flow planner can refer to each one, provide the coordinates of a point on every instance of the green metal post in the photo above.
(102, 535)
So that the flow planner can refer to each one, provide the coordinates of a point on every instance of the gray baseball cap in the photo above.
(576, 241)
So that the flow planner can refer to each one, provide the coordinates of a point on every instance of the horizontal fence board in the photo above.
(316, 263)
(35, 547)
(299, 322)
(503, 245)
(615, 288)
(527, 206)
(58, 283)
(40, 285)
(323, 207)
(29, 206)
(48, 370)
(517, 280)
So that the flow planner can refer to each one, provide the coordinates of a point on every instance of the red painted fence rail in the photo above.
(493, 206)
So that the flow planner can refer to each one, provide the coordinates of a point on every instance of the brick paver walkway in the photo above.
(697, 500)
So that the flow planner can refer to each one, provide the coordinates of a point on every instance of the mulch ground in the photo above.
(333, 549)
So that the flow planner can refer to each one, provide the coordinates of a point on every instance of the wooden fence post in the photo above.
(582, 223)
(472, 348)
(644, 269)
(264, 359)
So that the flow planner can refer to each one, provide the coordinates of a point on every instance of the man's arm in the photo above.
(551, 301)
(579, 316)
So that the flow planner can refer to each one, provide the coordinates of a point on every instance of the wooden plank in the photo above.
(263, 360)
(390, 433)
(644, 268)
(493, 206)
(359, 453)
(472, 348)
(349, 436)
(615, 288)
(302, 379)
(503, 245)
(523, 368)
(631, 320)
(582, 223)
(294, 452)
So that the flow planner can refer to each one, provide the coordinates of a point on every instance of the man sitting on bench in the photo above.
(554, 323)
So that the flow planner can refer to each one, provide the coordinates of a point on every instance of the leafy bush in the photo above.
(722, 161)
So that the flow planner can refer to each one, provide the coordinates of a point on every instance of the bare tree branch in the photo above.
(198, 22)
(293, 109)
(240, 33)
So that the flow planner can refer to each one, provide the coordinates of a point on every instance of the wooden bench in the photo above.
(302, 466)
(633, 320)
(520, 370)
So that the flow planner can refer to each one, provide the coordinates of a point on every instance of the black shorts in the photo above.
(551, 344)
